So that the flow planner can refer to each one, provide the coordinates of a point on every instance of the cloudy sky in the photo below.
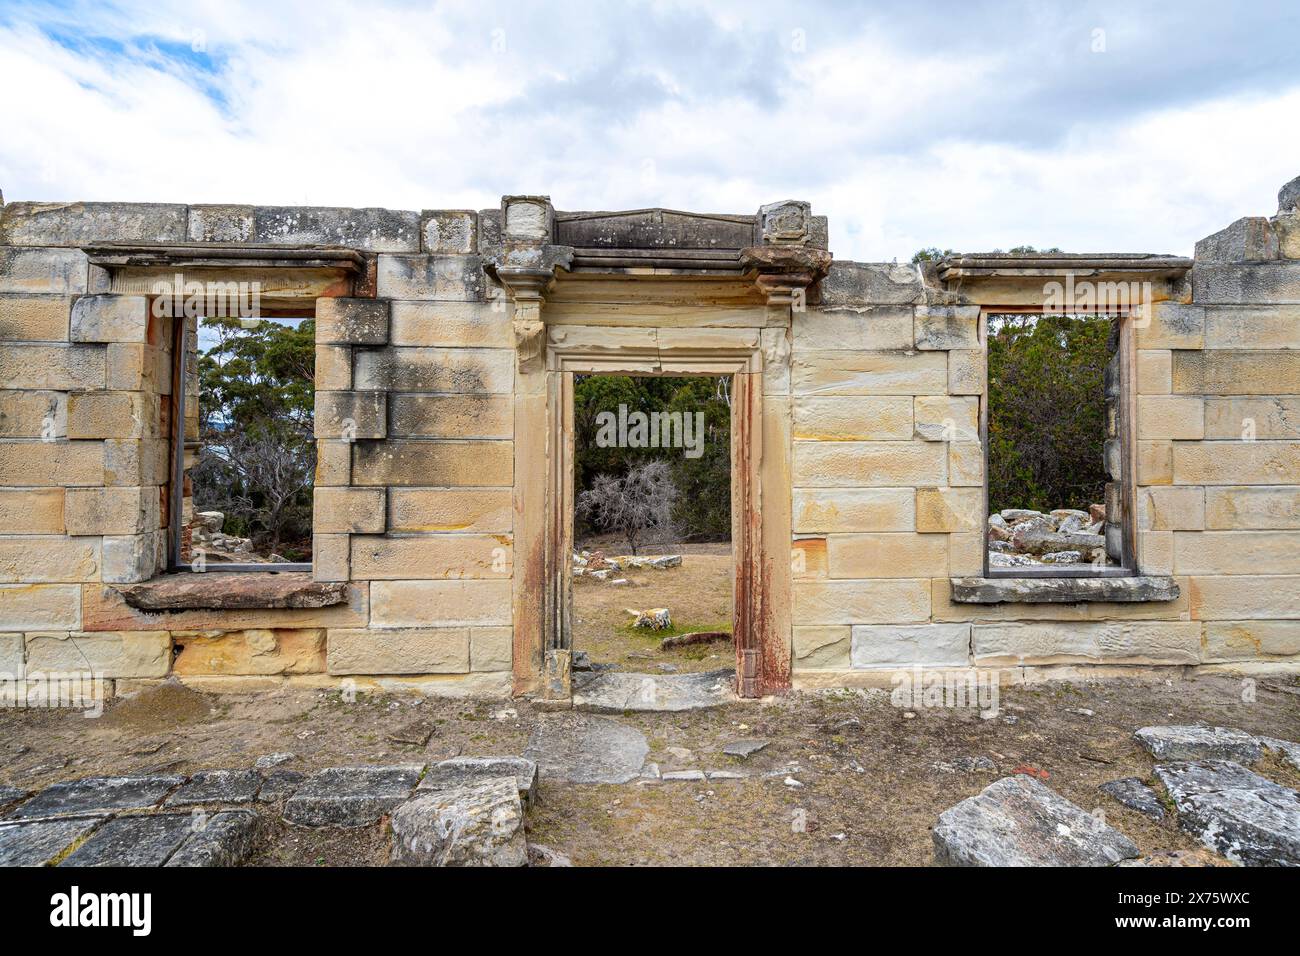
(1089, 126)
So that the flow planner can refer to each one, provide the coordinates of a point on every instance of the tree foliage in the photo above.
(1047, 410)
(257, 457)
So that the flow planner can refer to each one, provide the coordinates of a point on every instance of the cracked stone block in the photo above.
(92, 795)
(1199, 743)
(1245, 817)
(226, 839)
(134, 841)
(578, 748)
(350, 796)
(280, 784)
(1135, 795)
(1017, 821)
(38, 842)
(616, 692)
(460, 771)
(218, 786)
(479, 824)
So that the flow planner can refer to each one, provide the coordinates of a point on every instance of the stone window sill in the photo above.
(232, 590)
(1044, 590)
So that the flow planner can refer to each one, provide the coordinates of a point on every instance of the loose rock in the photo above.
(479, 824)
(1135, 795)
(1245, 817)
(1199, 743)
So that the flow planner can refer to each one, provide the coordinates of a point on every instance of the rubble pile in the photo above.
(1019, 537)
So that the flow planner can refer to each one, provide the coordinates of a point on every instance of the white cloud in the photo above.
(903, 142)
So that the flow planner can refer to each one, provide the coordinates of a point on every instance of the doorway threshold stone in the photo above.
(619, 691)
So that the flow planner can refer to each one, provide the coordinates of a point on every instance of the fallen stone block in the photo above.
(134, 841)
(1017, 821)
(479, 824)
(745, 747)
(218, 786)
(1245, 817)
(93, 795)
(578, 748)
(40, 842)
(1135, 795)
(224, 839)
(1199, 743)
(461, 771)
(350, 796)
(280, 784)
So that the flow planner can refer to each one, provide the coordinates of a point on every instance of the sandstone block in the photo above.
(947, 418)
(1236, 372)
(450, 509)
(1244, 597)
(454, 371)
(31, 510)
(220, 223)
(39, 607)
(491, 648)
(879, 328)
(105, 654)
(344, 510)
(1077, 642)
(428, 650)
(1168, 416)
(1252, 327)
(32, 366)
(34, 318)
(452, 416)
(869, 373)
(889, 646)
(1244, 419)
(1155, 462)
(1154, 372)
(1237, 552)
(431, 557)
(449, 231)
(253, 651)
(966, 553)
(112, 510)
(1171, 325)
(860, 283)
(374, 230)
(333, 367)
(113, 415)
(417, 603)
(901, 555)
(136, 462)
(1171, 508)
(331, 555)
(48, 559)
(61, 271)
(56, 463)
(944, 327)
(854, 509)
(1155, 552)
(449, 278)
(351, 415)
(852, 418)
(869, 464)
(133, 557)
(451, 325)
(965, 464)
(1277, 282)
(333, 463)
(351, 321)
(110, 318)
(33, 414)
(949, 509)
(439, 463)
(1249, 238)
(967, 372)
(826, 647)
(1250, 640)
(895, 600)
(1259, 507)
(85, 223)
(1235, 463)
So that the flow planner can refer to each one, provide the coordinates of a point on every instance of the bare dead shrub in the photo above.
(638, 506)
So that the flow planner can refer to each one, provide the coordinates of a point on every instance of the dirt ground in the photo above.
(697, 594)
(872, 778)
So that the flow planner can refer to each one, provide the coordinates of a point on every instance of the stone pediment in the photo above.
(654, 229)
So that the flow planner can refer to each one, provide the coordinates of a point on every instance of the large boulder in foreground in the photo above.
(479, 824)
(1017, 821)
(1233, 811)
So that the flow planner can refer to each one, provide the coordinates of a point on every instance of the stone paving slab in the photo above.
(580, 748)
(460, 771)
(1199, 743)
(38, 842)
(280, 784)
(351, 796)
(477, 824)
(1136, 795)
(94, 795)
(227, 839)
(218, 786)
(615, 692)
(1017, 821)
(139, 840)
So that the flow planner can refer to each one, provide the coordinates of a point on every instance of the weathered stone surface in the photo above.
(949, 509)
(1084, 642)
(617, 691)
(452, 416)
(342, 321)
(134, 841)
(1199, 743)
(224, 839)
(539, 855)
(280, 784)
(1249, 238)
(1288, 750)
(1062, 590)
(1135, 795)
(446, 603)
(967, 372)
(1171, 508)
(349, 510)
(457, 371)
(892, 646)
(29, 365)
(217, 786)
(107, 655)
(944, 327)
(870, 327)
(869, 464)
(1197, 858)
(40, 606)
(1237, 552)
(372, 229)
(34, 318)
(827, 646)
(449, 278)
(1277, 282)
(434, 463)
(233, 591)
(1017, 821)
(895, 555)
(869, 373)
(1232, 462)
(580, 748)
(1259, 418)
(62, 271)
(1250, 640)
(1252, 327)
(853, 418)
(876, 283)
(430, 557)
(745, 747)
(110, 318)
(462, 771)
(1245, 817)
(85, 223)
(350, 796)
(450, 509)
(478, 824)
(10, 795)
(854, 509)
(949, 418)
(425, 650)
(351, 415)
(901, 600)
(94, 795)
(45, 559)
(1288, 198)
(1171, 325)
(1237, 371)
(40, 842)
(449, 231)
